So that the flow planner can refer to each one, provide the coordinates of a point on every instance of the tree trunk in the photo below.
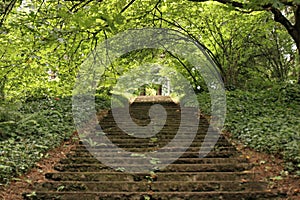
(159, 90)
(298, 65)
(143, 91)
(293, 30)
(2, 88)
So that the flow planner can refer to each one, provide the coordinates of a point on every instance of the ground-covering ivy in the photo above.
(31, 128)
(267, 120)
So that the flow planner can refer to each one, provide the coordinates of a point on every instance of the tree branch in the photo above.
(297, 18)
(279, 17)
(80, 5)
(127, 6)
(7, 10)
(245, 5)
(293, 30)
(230, 2)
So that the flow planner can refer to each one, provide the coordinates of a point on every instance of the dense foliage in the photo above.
(266, 120)
(41, 38)
(28, 130)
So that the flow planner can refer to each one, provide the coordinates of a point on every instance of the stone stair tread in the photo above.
(192, 154)
(198, 143)
(232, 195)
(204, 160)
(158, 173)
(161, 186)
(172, 164)
(166, 148)
(171, 167)
(88, 160)
(152, 183)
(165, 176)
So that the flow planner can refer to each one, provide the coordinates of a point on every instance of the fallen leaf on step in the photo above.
(244, 180)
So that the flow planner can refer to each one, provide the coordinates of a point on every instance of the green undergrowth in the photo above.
(266, 120)
(29, 129)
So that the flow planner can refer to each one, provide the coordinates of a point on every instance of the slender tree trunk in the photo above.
(2, 88)
(298, 66)
(159, 90)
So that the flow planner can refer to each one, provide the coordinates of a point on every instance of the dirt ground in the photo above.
(270, 168)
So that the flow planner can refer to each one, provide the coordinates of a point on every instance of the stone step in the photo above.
(162, 186)
(214, 195)
(144, 111)
(129, 148)
(150, 145)
(188, 130)
(117, 140)
(172, 114)
(187, 154)
(158, 138)
(244, 176)
(121, 136)
(93, 160)
(145, 117)
(227, 167)
(163, 129)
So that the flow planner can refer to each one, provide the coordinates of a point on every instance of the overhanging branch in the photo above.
(229, 2)
(127, 6)
(279, 17)
(245, 5)
(293, 30)
(6, 10)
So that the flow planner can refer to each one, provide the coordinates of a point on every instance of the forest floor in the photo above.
(271, 169)
(267, 166)
(25, 183)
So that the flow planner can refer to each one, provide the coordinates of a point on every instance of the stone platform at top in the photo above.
(152, 99)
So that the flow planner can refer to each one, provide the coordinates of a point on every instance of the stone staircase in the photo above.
(223, 174)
